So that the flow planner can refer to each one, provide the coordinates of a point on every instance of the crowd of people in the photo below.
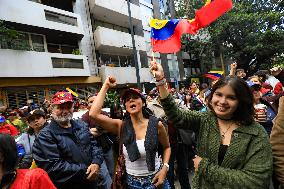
(228, 133)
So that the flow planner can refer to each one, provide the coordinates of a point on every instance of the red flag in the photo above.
(209, 13)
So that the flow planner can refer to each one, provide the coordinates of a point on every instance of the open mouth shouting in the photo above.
(133, 106)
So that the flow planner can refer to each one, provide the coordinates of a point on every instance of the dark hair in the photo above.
(240, 70)
(245, 110)
(262, 74)
(8, 151)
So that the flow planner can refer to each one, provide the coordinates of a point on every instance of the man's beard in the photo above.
(62, 120)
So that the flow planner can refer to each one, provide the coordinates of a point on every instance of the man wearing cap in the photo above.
(66, 149)
(6, 128)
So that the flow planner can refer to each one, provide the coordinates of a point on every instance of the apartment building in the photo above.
(113, 42)
(75, 44)
(54, 50)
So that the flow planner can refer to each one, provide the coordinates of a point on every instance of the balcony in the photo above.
(125, 75)
(38, 17)
(41, 64)
(116, 42)
(115, 12)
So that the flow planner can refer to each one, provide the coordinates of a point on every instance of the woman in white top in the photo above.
(140, 136)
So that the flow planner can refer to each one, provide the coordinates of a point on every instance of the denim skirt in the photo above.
(144, 182)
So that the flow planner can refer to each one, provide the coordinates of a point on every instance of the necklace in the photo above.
(223, 133)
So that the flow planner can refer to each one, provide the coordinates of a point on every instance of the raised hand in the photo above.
(275, 71)
(110, 81)
(234, 66)
(157, 70)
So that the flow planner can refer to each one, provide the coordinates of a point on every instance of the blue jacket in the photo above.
(65, 154)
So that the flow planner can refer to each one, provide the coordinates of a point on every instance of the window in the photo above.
(67, 63)
(25, 41)
(60, 48)
(20, 43)
(115, 60)
(64, 19)
(37, 43)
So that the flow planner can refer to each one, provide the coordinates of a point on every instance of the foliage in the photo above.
(76, 52)
(111, 99)
(12, 39)
(10, 33)
(252, 30)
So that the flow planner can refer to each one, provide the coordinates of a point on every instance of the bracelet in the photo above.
(161, 82)
(166, 165)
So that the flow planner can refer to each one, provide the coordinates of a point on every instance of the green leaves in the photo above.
(111, 99)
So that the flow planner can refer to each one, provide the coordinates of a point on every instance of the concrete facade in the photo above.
(56, 50)
(33, 14)
(38, 64)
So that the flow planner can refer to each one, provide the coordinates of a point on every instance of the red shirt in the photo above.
(9, 129)
(32, 179)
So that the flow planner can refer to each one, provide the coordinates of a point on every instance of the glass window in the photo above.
(37, 42)
(67, 63)
(114, 61)
(64, 19)
(123, 61)
(21, 43)
(53, 48)
(67, 49)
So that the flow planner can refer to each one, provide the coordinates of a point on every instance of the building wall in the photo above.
(33, 14)
(16, 63)
(87, 44)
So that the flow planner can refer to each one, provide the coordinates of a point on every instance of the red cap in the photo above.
(61, 97)
(133, 91)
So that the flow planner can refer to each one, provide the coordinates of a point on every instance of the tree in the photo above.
(253, 31)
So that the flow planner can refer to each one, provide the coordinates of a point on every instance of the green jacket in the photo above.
(248, 160)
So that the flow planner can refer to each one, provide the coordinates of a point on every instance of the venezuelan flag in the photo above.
(166, 34)
(214, 75)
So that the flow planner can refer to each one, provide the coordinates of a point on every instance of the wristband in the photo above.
(161, 82)
(166, 165)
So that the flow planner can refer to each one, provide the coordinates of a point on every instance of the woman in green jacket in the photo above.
(233, 150)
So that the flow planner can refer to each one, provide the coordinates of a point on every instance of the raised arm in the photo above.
(181, 118)
(233, 68)
(111, 125)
